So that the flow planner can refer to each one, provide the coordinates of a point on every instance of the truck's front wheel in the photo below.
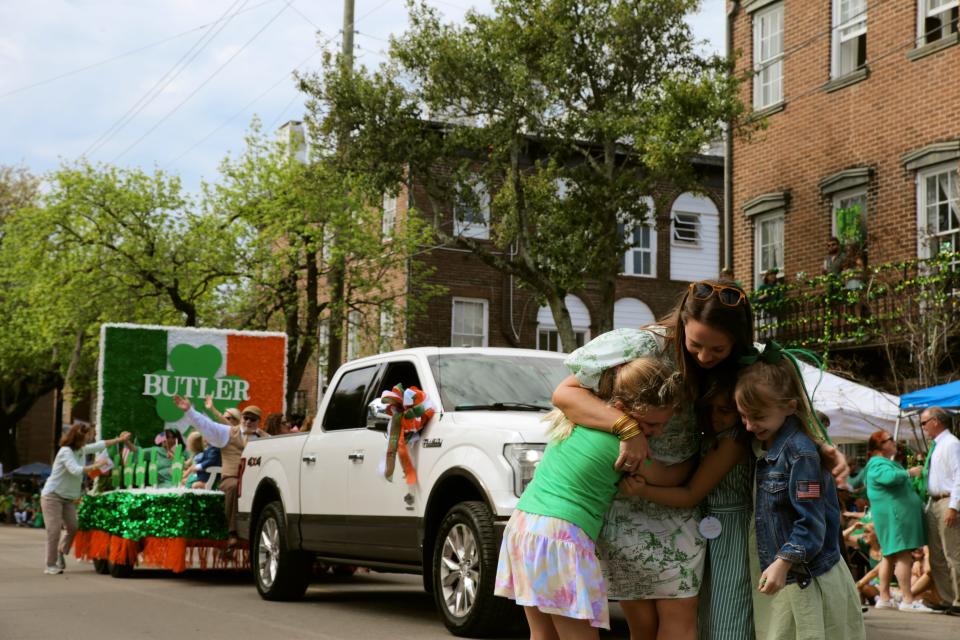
(464, 569)
(281, 573)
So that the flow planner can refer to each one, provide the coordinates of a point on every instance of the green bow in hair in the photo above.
(773, 353)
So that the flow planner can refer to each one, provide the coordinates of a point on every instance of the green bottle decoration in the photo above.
(176, 467)
(152, 469)
(116, 472)
(128, 472)
(141, 472)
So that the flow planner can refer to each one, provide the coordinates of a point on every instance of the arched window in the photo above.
(630, 313)
(694, 238)
(548, 339)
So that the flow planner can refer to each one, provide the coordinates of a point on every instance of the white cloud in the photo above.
(60, 119)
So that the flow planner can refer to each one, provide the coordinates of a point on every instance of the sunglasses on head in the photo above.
(729, 296)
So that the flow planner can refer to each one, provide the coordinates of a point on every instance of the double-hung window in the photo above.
(469, 326)
(389, 214)
(640, 257)
(354, 326)
(471, 212)
(768, 56)
(768, 244)
(938, 20)
(939, 202)
(849, 36)
(850, 218)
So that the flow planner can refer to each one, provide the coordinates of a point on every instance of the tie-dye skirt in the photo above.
(551, 564)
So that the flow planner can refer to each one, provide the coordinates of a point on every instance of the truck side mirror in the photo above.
(377, 417)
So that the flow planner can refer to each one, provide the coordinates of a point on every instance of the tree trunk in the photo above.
(561, 316)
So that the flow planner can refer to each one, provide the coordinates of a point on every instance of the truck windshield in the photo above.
(480, 382)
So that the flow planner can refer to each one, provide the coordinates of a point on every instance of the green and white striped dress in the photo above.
(726, 598)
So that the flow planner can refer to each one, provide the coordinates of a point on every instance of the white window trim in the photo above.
(759, 65)
(923, 247)
(844, 195)
(922, 15)
(486, 317)
(472, 229)
(388, 330)
(652, 250)
(576, 330)
(757, 236)
(676, 242)
(389, 217)
(838, 39)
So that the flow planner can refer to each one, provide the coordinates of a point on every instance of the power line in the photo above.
(119, 56)
(164, 81)
(202, 84)
(243, 109)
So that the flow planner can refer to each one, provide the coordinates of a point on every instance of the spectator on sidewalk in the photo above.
(897, 516)
(941, 473)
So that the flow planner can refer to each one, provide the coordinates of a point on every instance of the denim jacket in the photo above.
(797, 512)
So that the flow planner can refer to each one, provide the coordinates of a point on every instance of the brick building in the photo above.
(484, 307)
(862, 103)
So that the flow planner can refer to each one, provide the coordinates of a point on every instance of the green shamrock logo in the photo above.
(193, 375)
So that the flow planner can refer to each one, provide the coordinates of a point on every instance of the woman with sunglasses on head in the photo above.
(654, 555)
(898, 518)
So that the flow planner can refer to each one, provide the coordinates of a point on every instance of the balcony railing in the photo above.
(860, 307)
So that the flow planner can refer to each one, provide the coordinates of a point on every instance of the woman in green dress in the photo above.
(898, 519)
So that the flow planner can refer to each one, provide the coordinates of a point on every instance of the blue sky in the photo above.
(96, 77)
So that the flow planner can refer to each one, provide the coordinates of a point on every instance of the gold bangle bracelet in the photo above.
(626, 426)
(629, 431)
(618, 425)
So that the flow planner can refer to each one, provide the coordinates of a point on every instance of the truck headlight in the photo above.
(523, 459)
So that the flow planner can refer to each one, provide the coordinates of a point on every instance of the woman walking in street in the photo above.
(63, 488)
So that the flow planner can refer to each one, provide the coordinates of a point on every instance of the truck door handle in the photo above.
(356, 456)
(310, 459)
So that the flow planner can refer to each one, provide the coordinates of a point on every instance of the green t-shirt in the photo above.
(576, 480)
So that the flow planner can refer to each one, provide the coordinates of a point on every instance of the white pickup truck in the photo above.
(321, 495)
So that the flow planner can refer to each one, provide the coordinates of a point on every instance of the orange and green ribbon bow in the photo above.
(409, 410)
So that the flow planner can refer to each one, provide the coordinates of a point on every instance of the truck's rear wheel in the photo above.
(281, 573)
(464, 570)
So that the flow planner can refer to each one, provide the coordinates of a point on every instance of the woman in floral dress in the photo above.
(654, 555)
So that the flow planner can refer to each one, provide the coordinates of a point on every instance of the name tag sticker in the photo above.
(710, 528)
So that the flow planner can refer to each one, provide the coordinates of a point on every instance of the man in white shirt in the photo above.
(943, 491)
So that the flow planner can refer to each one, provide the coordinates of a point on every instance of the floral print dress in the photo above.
(648, 551)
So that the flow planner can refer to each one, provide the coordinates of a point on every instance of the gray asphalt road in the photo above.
(81, 605)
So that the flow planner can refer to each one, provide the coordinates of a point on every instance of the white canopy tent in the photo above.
(855, 410)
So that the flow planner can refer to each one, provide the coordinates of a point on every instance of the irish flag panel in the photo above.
(143, 367)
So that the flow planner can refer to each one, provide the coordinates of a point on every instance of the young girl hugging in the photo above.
(548, 561)
(797, 510)
(725, 480)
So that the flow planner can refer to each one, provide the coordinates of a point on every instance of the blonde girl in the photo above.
(548, 561)
(797, 512)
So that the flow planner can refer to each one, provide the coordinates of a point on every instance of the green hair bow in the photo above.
(773, 353)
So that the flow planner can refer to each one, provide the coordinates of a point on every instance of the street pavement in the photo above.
(220, 605)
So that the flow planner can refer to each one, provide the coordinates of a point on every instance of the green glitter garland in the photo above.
(195, 515)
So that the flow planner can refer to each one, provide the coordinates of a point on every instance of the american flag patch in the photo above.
(808, 490)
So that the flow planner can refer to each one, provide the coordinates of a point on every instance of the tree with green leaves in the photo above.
(566, 112)
(292, 210)
(98, 245)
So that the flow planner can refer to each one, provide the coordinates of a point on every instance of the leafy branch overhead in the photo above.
(563, 115)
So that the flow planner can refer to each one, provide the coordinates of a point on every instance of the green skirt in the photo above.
(828, 608)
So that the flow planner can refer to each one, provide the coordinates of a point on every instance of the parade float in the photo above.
(138, 513)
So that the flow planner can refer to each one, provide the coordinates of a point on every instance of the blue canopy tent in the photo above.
(34, 469)
(944, 395)
(913, 403)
